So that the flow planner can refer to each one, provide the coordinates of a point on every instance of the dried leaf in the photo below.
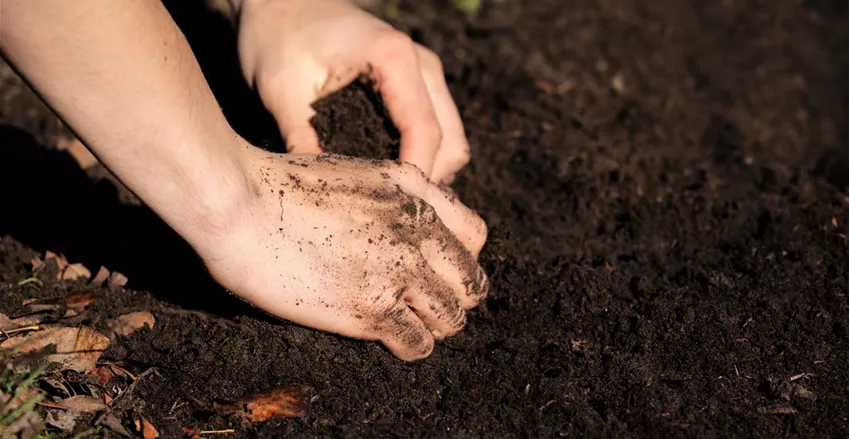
(117, 280)
(114, 424)
(79, 299)
(77, 349)
(104, 373)
(56, 386)
(147, 430)
(81, 404)
(129, 323)
(101, 277)
(62, 419)
(286, 402)
(41, 307)
(75, 302)
(36, 263)
(6, 323)
(75, 271)
(81, 154)
(61, 262)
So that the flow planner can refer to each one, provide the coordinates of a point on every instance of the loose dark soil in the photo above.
(665, 184)
(353, 121)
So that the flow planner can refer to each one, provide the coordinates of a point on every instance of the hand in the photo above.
(370, 251)
(298, 51)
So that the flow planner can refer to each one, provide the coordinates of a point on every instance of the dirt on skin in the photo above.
(665, 185)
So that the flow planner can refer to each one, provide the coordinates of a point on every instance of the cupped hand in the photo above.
(370, 250)
(297, 51)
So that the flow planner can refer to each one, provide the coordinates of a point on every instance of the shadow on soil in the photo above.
(56, 206)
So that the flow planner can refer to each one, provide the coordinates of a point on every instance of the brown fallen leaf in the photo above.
(80, 153)
(101, 277)
(41, 307)
(129, 323)
(104, 373)
(116, 280)
(7, 323)
(36, 263)
(74, 303)
(81, 404)
(77, 349)
(147, 430)
(61, 262)
(79, 300)
(74, 272)
(113, 423)
(62, 419)
(285, 402)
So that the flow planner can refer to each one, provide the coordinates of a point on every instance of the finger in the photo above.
(456, 267)
(436, 305)
(404, 334)
(399, 80)
(292, 109)
(453, 153)
(464, 223)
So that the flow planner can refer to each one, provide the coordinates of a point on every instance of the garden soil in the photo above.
(665, 185)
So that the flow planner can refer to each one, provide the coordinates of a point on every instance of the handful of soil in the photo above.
(354, 122)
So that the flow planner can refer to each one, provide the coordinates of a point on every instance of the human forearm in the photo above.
(124, 79)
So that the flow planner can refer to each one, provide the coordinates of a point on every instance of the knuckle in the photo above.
(427, 213)
(410, 170)
(429, 60)
(478, 287)
(397, 45)
(418, 211)
(457, 158)
(463, 157)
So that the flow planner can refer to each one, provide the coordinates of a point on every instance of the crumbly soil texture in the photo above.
(665, 184)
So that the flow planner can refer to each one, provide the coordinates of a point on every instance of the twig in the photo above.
(229, 431)
(133, 385)
(16, 330)
(132, 377)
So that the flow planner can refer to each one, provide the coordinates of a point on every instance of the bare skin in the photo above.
(372, 250)
(297, 51)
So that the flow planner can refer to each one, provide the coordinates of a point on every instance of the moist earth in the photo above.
(665, 184)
